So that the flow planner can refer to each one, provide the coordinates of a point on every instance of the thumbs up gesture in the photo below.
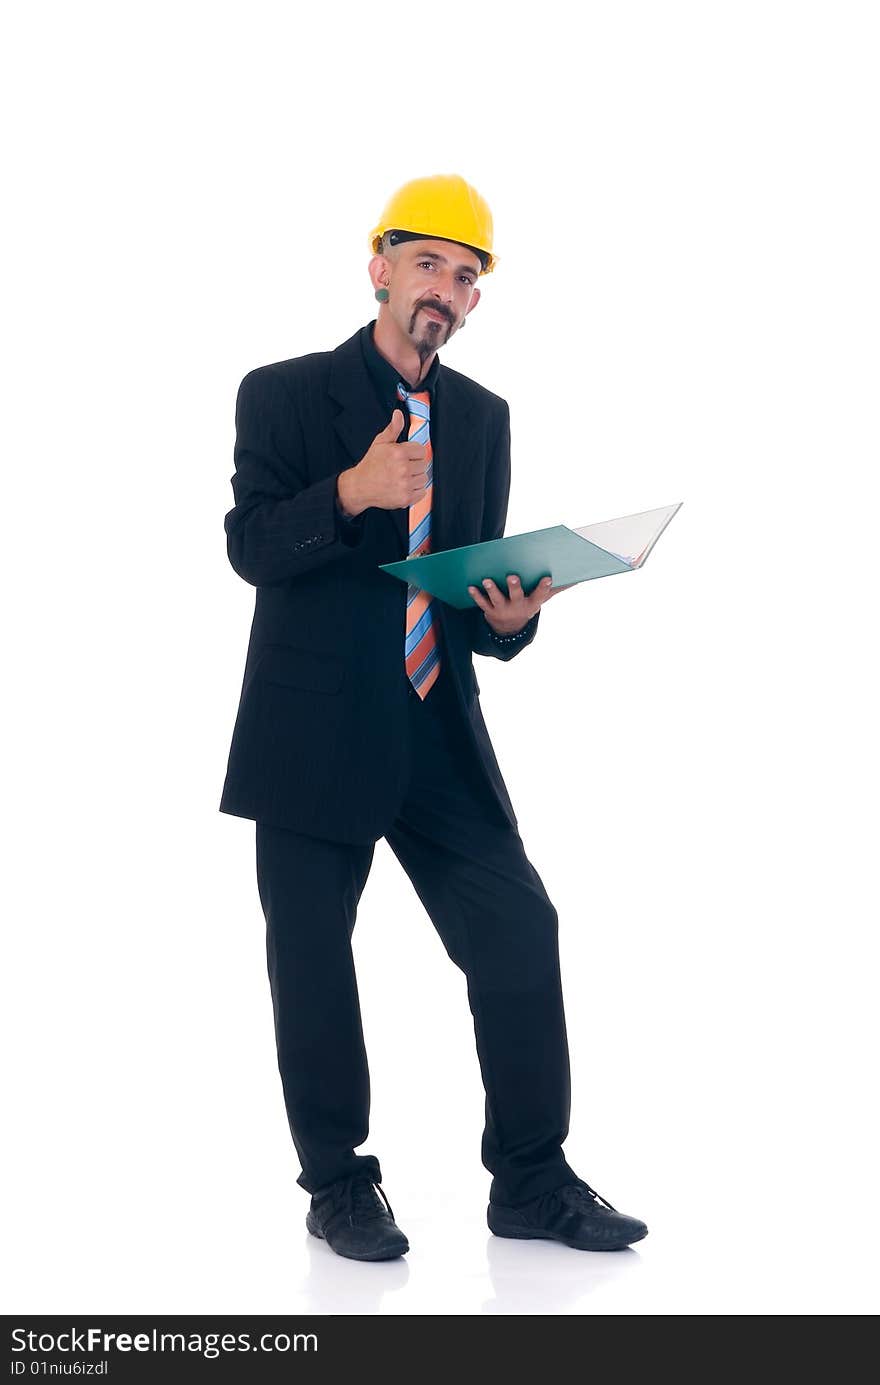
(391, 475)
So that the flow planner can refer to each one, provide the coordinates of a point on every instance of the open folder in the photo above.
(567, 555)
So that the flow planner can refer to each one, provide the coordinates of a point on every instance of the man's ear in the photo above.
(380, 269)
(475, 298)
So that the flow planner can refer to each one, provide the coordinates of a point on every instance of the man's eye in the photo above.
(429, 264)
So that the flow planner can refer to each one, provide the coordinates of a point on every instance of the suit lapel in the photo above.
(360, 418)
(456, 459)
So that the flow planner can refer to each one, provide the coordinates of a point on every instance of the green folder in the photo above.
(567, 555)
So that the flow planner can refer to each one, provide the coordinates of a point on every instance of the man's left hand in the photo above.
(507, 615)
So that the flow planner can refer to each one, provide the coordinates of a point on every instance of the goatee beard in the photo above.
(429, 341)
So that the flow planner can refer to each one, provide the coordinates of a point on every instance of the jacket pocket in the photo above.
(300, 668)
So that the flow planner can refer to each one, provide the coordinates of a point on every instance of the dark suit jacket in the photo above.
(320, 741)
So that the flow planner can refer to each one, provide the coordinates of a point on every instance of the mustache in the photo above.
(437, 308)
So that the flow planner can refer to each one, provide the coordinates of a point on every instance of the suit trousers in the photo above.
(469, 869)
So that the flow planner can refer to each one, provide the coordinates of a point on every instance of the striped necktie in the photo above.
(421, 654)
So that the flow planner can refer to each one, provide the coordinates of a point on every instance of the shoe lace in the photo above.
(357, 1196)
(579, 1193)
(583, 1193)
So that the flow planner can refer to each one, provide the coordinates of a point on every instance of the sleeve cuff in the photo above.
(520, 635)
(348, 526)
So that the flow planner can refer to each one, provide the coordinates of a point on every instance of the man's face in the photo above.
(432, 285)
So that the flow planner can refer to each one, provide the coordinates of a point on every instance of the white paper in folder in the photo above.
(631, 537)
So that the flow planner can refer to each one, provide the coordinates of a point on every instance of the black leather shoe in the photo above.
(574, 1214)
(350, 1218)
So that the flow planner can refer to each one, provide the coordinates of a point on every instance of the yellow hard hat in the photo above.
(442, 207)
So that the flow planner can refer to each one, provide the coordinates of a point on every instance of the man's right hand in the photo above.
(391, 475)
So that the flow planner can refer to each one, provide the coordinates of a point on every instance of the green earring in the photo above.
(382, 295)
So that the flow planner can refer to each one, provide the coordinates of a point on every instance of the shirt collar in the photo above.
(385, 376)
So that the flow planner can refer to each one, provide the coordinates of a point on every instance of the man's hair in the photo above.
(391, 252)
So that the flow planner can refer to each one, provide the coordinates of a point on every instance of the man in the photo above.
(360, 719)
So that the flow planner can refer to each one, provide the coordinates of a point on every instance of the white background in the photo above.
(685, 308)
